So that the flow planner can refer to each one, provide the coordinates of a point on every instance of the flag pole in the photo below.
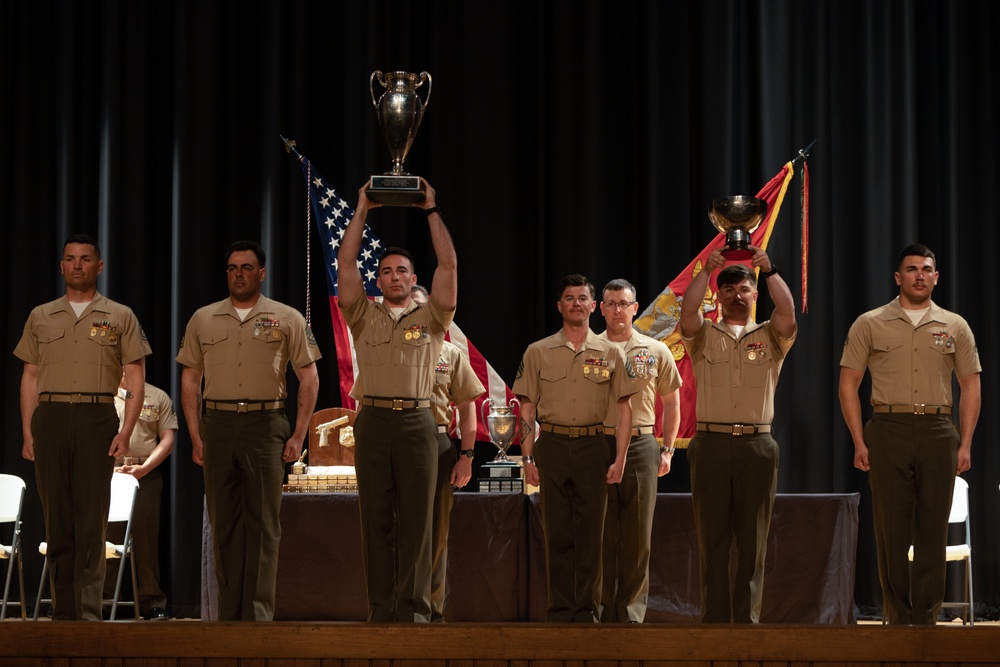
(802, 155)
(804, 219)
(290, 148)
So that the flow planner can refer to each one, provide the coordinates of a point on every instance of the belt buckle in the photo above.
(738, 429)
(574, 431)
(75, 398)
(919, 409)
(397, 404)
(242, 407)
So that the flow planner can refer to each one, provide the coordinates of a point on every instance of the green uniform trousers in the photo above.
(574, 494)
(628, 526)
(733, 481)
(396, 460)
(913, 459)
(243, 477)
(444, 499)
(73, 472)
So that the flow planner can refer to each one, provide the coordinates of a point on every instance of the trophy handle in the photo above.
(514, 403)
(484, 407)
(426, 76)
(371, 86)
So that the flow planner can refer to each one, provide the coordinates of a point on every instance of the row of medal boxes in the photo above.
(321, 484)
(312, 484)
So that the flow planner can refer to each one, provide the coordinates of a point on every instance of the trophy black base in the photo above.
(390, 190)
(501, 477)
(501, 485)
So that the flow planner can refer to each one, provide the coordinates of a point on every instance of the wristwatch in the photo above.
(768, 274)
(667, 450)
(469, 453)
(528, 460)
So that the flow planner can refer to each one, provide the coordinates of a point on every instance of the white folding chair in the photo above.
(123, 492)
(961, 551)
(11, 501)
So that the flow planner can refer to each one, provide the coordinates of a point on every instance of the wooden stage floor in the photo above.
(286, 644)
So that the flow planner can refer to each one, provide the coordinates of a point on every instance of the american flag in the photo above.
(332, 214)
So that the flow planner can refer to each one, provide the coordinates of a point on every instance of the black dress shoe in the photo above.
(157, 614)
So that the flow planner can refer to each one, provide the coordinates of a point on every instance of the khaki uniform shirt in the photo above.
(157, 416)
(654, 366)
(911, 365)
(570, 387)
(83, 354)
(454, 382)
(247, 360)
(737, 377)
(397, 357)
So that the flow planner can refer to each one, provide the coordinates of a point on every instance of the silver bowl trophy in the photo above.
(737, 217)
(502, 474)
(399, 111)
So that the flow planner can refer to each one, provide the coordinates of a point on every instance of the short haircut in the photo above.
(421, 289)
(394, 250)
(918, 249)
(576, 280)
(734, 274)
(252, 246)
(619, 284)
(83, 239)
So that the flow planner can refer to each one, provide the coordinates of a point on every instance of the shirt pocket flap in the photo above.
(213, 337)
(886, 344)
(49, 334)
(552, 374)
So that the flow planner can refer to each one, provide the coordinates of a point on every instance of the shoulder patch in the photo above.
(310, 338)
(520, 370)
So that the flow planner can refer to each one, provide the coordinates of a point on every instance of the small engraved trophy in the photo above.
(399, 112)
(502, 474)
(737, 217)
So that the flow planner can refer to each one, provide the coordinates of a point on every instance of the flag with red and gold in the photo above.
(660, 318)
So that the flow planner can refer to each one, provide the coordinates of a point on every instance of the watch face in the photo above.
(468, 453)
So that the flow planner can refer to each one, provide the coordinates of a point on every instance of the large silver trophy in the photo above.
(399, 110)
(502, 474)
(737, 217)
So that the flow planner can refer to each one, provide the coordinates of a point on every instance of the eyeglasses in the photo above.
(618, 305)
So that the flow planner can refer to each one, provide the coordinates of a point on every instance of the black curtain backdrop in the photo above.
(561, 137)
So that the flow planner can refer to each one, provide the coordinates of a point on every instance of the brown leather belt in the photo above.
(915, 409)
(48, 397)
(396, 403)
(244, 406)
(442, 429)
(734, 429)
(132, 460)
(636, 430)
(573, 431)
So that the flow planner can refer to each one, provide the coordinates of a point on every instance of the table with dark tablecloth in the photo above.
(496, 566)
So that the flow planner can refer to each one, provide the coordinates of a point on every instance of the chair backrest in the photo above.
(11, 497)
(959, 502)
(123, 490)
